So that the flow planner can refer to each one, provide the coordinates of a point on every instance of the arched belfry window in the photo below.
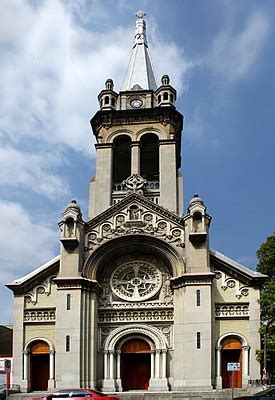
(149, 157)
(122, 158)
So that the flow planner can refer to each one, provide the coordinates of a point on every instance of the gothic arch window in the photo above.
(149, 157)
(122, 158)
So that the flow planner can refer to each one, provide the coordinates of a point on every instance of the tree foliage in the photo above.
(266, 265)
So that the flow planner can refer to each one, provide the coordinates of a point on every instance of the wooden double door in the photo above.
(135, 365)
(231, 353)
(39, 366)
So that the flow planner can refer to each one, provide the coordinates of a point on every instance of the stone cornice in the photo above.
(77, 283)
(204, 278)
(162, 115)
(140, 200)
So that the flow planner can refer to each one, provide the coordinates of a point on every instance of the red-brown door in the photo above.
(231, 353)
(39, 366)
(136, 364)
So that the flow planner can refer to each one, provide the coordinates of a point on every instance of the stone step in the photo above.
(141, 395)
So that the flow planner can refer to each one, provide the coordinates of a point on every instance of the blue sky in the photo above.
(55, 57)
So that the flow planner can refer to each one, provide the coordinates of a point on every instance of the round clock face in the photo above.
(136, 103)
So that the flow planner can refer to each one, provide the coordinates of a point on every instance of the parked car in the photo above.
(264, 394)
(78, 393)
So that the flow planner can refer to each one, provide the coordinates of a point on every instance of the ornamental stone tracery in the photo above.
(136, 281)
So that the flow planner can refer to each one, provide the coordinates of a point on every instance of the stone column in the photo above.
(111, 374)
(168, 174)
(245, 371)
(157, 364)
(106, 365)
(152, 364)
(103, 179)
(118, 364)
(118, 367)
(164, 352)
(218, 378)
(26, 358)
(135, 164)
(51, 382)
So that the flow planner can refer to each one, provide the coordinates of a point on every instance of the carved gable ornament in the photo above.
(135, 215)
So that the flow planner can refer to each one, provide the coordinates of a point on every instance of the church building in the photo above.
(136, 300)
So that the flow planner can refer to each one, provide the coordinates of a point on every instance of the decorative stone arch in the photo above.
(157, 338)
(161, 134)
(131, 243)
(245, 357)
(112, 355)
(27, 355)
(115, 134)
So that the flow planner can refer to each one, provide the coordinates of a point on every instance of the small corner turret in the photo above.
(196, 223)
(199, 220)
(107, 98)
(166, 95)
(69, 226)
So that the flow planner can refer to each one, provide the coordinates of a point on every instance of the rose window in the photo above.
(136, 281)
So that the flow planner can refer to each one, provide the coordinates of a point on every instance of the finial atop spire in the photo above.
(140, 71)
(140, 34)
(140, 14)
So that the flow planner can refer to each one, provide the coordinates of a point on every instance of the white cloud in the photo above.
(53, 70)
(23, 244)
(31, 172)
(235, 55)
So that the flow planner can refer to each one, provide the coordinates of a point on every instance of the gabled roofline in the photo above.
(127, 199)
(40, 270)
(239, 269)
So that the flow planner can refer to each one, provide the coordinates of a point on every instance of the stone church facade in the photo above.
(136, 299)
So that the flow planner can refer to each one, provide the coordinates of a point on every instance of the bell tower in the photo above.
(138, 136)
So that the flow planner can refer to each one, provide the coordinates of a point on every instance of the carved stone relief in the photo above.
(135, 220)
(231, 310)
(42, 315)
(166, 329)
(43, 288)
(135, 278)
(231, 283)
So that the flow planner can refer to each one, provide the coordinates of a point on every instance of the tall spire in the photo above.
(139, 74)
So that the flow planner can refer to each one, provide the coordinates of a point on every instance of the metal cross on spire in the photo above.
(140, 14)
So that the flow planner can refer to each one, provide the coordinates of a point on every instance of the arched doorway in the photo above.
(39, 365)
(135, 364)
(231, 352)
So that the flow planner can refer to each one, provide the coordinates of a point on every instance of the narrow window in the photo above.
(159, 98)
(68, 301)
(122, 158)
(198, 340)
(113, 101)
(106, 100)
(68, 343)
(149, 157)
(198, 294)
(165, 96)
(171, 98)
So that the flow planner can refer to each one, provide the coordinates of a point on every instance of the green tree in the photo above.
(266, 265)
